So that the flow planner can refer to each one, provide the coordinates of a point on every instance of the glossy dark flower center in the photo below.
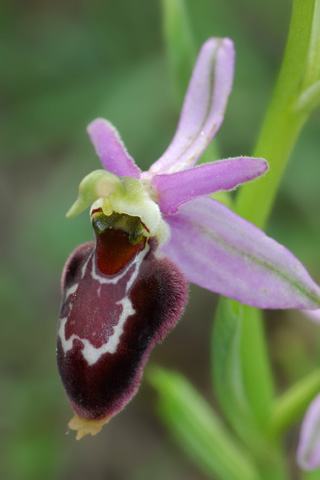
(119, 239)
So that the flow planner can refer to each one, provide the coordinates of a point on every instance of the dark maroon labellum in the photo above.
(118, 300)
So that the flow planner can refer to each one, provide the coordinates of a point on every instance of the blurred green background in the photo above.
(63, 64)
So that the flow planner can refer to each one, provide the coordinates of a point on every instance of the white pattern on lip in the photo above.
(89, 352)
(71, 290)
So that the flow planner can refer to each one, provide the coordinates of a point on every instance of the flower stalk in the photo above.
(283, 122)
(297, 92)
(279, 134)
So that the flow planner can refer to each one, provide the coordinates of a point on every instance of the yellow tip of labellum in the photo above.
(86, 427)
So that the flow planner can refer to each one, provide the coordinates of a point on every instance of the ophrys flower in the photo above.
(153, 229)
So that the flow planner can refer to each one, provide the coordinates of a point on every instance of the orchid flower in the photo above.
(155, 231)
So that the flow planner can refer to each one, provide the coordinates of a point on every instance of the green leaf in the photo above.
(315, 475)
(227, 370)
(243, 383)
(255, 364)
(198, 430)
(289, 408)
(241, 376)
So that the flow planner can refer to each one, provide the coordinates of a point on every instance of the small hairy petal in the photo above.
(177, 188)
(308, 454)
(203, 109)
(220, 251)
(111, 150)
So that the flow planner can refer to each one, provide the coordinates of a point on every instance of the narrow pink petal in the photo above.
(111, 150)
(308, 454)
(203, 109)
(177, 188)
(220, 251)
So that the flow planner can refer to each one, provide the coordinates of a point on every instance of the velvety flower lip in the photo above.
(308, 454)
(212, 246)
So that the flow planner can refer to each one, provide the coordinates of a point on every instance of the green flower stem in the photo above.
(277, 140)
(288, 408)
(312, 73)
(309, 98)
(279, 134)
(278, 137)
(283, 123)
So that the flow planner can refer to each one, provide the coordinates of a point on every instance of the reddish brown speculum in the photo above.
(119, 299)
(114, 252)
